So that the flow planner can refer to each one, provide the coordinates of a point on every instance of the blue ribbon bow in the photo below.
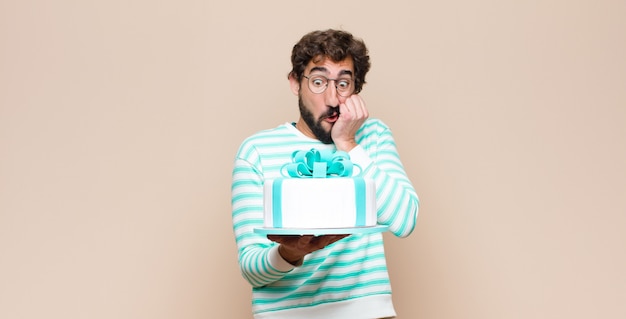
(319, 164)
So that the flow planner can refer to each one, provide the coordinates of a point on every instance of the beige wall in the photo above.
(119, 121)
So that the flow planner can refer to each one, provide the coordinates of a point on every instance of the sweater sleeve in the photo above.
(259, 261)
(396, 199)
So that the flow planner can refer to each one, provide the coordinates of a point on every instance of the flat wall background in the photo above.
(119, 121)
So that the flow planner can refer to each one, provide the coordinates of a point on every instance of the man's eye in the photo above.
(318, 82)
(344, 84)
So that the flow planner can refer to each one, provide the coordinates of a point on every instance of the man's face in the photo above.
(320, 111)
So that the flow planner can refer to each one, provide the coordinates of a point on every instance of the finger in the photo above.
(275, 238)
(304, 241)
(317, 243)
(327, 240)
(345, 110)
(356, 107)
(282, 238)
(359, 109)
(330, 239)
(363, 108)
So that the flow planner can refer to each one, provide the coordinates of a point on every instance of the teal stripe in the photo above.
(248, 236)
(278, 154)
(271, 168)
(289, 284)
(340, 263)
(242, 169)
(346, 262)
(245, 183)
(346, 254)
(383, 201)
(247, 208)
(277, 214)
(367, 125)
(247, 154)
(359, 193)
(387, 143)
(323, 291)
(247, 222)
(244, 196)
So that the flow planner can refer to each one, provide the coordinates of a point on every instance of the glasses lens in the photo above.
(317, 83)
(344, 87)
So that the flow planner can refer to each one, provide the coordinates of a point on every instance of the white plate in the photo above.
(321, 231)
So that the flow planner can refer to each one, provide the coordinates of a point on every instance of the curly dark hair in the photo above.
(334, 44)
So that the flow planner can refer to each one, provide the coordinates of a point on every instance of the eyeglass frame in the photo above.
(351, 81)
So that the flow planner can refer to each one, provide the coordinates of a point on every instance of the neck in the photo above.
(304, 128)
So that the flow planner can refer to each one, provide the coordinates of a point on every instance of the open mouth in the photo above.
(332, 118)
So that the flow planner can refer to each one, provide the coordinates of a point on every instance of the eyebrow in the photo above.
(325, 70)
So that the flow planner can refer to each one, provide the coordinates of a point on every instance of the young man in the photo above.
(331, 276)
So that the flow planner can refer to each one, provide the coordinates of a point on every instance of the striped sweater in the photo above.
(347, 279)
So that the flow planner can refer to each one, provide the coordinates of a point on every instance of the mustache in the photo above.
(332, 110)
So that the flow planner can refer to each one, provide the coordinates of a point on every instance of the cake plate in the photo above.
(321, 231)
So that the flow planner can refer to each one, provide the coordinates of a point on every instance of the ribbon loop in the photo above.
(319, 164)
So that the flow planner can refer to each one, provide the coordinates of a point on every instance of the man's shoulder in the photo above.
(278, 131)
(266, 137)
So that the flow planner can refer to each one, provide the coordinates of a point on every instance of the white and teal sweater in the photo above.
(347, 279)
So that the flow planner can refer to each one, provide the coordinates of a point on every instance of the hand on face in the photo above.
(353, 114)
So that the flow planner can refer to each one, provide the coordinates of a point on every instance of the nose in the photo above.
(331, 96)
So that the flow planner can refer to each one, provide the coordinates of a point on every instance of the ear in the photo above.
(295, 84)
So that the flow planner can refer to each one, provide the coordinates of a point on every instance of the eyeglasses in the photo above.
(319, 83)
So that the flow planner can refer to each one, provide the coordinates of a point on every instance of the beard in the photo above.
(316, 124)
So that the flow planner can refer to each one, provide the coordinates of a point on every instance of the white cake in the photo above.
(319, 203)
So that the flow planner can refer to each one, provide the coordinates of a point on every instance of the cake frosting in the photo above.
(319, 203)
(318, 191)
